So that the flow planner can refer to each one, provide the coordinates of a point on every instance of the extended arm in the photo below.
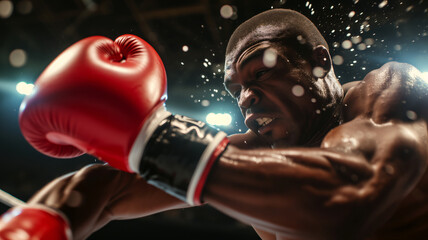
(98, 194)
(313, 191)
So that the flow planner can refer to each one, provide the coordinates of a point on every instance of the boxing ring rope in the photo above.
(10, 200)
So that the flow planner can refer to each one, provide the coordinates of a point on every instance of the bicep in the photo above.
(396, 152)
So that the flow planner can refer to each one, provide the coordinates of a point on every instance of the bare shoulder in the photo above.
(394, 91)
(349, 85)
(385, 122)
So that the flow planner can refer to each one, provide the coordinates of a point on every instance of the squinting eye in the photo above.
(261, 73)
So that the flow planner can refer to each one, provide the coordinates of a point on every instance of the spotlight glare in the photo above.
(24, 88)
(425, 76)
(6, 9)
(219, 119)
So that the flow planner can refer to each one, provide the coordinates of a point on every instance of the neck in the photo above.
(331, 117)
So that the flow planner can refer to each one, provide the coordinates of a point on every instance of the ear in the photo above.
(321, 58)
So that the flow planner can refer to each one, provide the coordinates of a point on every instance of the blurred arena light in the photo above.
(226, 11)
(18, 58)
(24, 7)
(219, 119)
(24, 88)
(6, 9)
(425, 76)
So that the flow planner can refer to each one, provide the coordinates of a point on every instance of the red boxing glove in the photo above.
(107, 99)
(94, 98)
(35, 222)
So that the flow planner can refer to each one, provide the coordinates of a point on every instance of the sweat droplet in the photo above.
(298, 90)
(301, 39)
(383, 3)
(75, 199)
(318, 72)
(389, 169)
(411, 115)
(269, 57)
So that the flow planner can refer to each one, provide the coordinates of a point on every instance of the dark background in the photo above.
(44, 28)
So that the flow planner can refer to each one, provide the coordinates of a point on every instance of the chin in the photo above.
(283, 143)
(280, 144)
(283, 138)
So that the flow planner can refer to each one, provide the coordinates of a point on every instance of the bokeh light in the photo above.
(346, 44)
(18, 58)
(226, 11)
(219, 119)
(338, 60)
(24, 7)
(24, 88)
(269, 57)
(425, 76)
(6, 9)
(298, 90)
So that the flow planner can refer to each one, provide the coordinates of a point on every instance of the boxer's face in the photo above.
(278, 102)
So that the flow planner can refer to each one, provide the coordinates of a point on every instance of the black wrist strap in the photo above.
(173, 152)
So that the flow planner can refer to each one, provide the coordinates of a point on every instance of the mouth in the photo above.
(260, 124)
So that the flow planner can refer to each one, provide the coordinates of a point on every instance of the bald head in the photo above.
(300, 49)
(287, 26)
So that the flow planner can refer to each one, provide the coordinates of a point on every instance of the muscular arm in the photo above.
(347, 187)
(98, 194)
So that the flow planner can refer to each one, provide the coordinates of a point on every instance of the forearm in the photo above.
(97, 194)
(279, 189)
(246, 182)
(346, 178)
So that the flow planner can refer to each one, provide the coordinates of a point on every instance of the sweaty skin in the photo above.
(348, 186)
(365, 180)
(320, 160)
(98, 194)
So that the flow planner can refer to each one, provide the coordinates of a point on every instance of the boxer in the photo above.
(319, 161)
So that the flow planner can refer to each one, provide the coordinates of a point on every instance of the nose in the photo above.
(248, 98)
